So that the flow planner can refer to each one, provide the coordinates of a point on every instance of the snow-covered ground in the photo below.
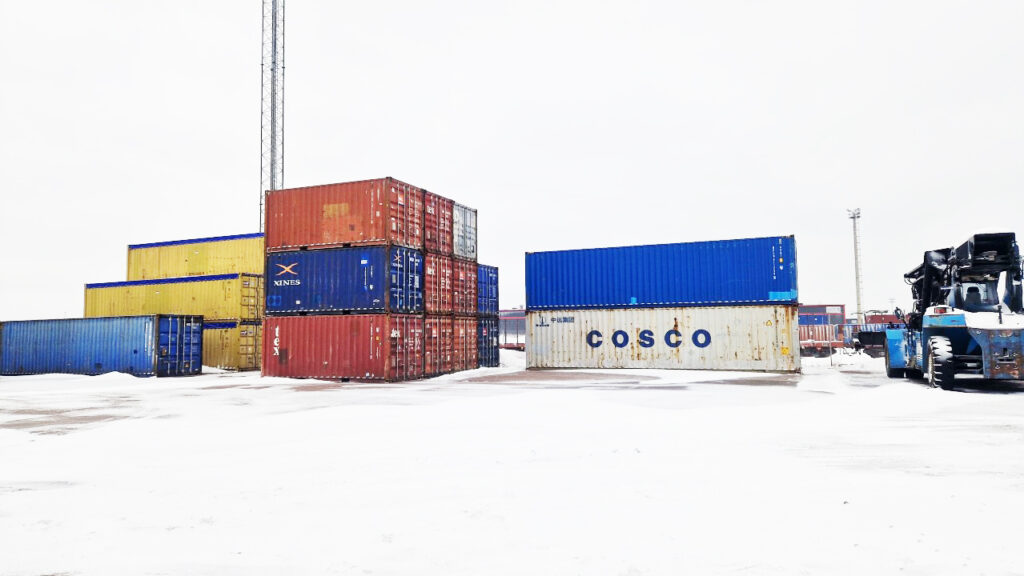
(499, 471)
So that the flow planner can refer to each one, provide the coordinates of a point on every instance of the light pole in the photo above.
(855, 216)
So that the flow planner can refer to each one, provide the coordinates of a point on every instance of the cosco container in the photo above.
(359, 279)
(238, 254)
(762, 338)
(720, 273)
(464, 285)
(352, 347)
(487, 290)
(439, 345)
(464, 231)
(382, 211)
(232, 345)
(438, 284)
(464, 344)
(487, 341)
(437, 220)
(220, 297)
(155, 345)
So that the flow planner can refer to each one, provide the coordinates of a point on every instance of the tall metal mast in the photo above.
(272, 137)
(855, 216)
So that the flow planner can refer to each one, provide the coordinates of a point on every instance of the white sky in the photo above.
(567, 124)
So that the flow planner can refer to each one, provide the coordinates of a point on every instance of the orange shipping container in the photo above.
(382, 211)
(464, 287)
(437, 229)
(437, 284)
(466, 355)
(438, 345)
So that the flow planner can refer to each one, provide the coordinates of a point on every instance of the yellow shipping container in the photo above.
(221, 297)
(239, 254)
(232, 345)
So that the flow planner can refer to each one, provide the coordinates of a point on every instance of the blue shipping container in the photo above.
(487, 341)
(813, 319)
(157, 345)
(359, 279)
(718, 273)
(487, 290)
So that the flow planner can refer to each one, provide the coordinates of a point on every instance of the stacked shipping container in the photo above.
(725, 305)
(367, 281)
(487, 315)
(220, 278)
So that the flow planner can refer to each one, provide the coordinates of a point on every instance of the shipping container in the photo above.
(155, 345)
(762, 338)
(353, 347)
(438, 284)
(338, 280)
(512, 329)
(219, 297)
(437, 220)
(820, 339)
(487, 341)
(382, 211)
(464, 285)
(439, 345)
(726, 272)
(239, 254)
(464, 231)
(465, 344)
(232, 345)
(813, 319)
(487, 290)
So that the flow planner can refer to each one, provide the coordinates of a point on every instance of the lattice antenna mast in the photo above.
(272, 136)
(855, 216)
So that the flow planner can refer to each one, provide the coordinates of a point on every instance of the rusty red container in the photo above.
(355, 347)
(382, 211)
(437, 284)
(437, 223)
(439, 345)
(464, 287)
(465, 344)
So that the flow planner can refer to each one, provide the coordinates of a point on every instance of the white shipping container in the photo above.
(762, 338)
(464, 231)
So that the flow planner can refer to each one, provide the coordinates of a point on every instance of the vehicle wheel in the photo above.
(892, 372)
(940, 362)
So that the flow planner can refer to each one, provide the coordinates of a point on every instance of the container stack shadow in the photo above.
(369, 280)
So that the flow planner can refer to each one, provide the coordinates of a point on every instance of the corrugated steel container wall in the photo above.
(437, 220)
(464, 231)
(726, 272)
(811, 334)
(487, 341)
(232, 345)
(439, 345)
(465, 344)
(464, 285)
(354, 347)
(487, 290)
(438, 278)
(240, 254)
(760, 338)
(382, 211)
(139, 345)
(363, 278)
(221, 297)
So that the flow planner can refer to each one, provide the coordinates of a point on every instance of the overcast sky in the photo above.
(566, 124)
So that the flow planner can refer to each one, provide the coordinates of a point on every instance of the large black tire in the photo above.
(941, 371)
(889, 371)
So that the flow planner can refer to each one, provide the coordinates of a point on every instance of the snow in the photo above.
(499, 471)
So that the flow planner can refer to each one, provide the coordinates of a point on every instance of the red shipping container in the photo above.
(464, 287)
(437, 284)
(466, 353)
(353, 347)
(437, 218)
(382, 211)
(439, 345)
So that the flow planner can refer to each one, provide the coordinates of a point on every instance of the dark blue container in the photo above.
(487, 290)
(361, 279)
(720, 273)
(487, 341)
(812, 319)
(157, 345)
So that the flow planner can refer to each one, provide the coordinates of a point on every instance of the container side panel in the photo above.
(464, 286)
(761, 338)
(438, 284)
(437, 217)
(487, 290)
(720, 273)
(233, 347)
(465, 344)
(200, 258)
(464, 231)
(487, 341)
(438, 347)
(235, 297)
